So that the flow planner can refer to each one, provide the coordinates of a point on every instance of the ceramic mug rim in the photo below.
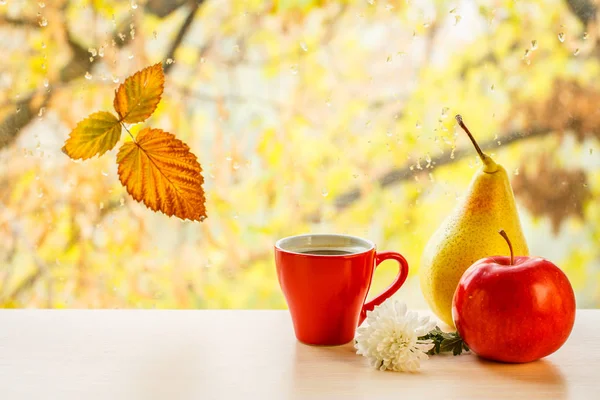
(367, 244)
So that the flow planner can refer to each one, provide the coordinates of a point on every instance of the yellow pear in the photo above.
(470, 233)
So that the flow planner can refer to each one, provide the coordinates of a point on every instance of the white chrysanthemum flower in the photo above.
(390, 340)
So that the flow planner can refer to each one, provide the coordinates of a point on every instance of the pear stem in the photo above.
(464, 127)
(512, 256)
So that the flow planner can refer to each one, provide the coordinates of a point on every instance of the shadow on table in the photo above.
(542, 373)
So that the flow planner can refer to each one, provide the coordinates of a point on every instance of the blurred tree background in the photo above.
(307, 116)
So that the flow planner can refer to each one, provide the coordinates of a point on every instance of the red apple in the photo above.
(514, 309)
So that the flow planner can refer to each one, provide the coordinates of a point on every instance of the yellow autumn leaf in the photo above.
(95, 135)
(137, 97)
(160, 171)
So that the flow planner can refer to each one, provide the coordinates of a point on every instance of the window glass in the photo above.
(306, 116)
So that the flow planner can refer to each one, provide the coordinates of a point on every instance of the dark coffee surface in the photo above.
(327, 252)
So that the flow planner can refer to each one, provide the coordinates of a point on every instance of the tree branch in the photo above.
(181, 34)
(397, 175)
(186, 91)
(27, 109)
(584, 10)
(76, 67)
(162, 8)
(41, 267)
(20, 22)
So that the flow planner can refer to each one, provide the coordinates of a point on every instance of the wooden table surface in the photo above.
(136, 354)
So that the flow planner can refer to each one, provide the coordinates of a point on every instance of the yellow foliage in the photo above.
(308, 116)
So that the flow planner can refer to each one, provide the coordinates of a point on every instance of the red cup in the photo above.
(326, 293)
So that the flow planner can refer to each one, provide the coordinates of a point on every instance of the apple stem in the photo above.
(505, 236)
(464, 127)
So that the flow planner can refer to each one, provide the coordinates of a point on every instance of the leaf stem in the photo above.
(123, 125)
(505, 236)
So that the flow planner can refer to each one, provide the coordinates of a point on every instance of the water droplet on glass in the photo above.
(517, 171)
(104, 173)
(236, 166)
(115, 79)
(591, 151)
(101, 51)
(526, 53)
(457, 19)
(328, 103)
(41, 4)
(444, 112)
(324, 193)
(41, 111)
(534, 45)
(389, 59)
(453, 10)
(389, 7)
(43, 45)
(92, 51)
(371, 2)
(492, 88)
(355, 176)
(46, 83)
(426, 24)
(202, 60)
(228, 158)
(18, 109)
(561, 37)
(169, 61)
(130, 56)
(527, 61)
(576, 52)
(88, 75)
(585, 35)
(303, 46)
(235, 216)
(133, 4)
(389, 133)
(154, 34)
(418, 125)
(428, 159)
(43, 22)
(294, 69)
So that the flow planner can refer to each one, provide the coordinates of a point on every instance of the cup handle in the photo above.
(393, 288)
